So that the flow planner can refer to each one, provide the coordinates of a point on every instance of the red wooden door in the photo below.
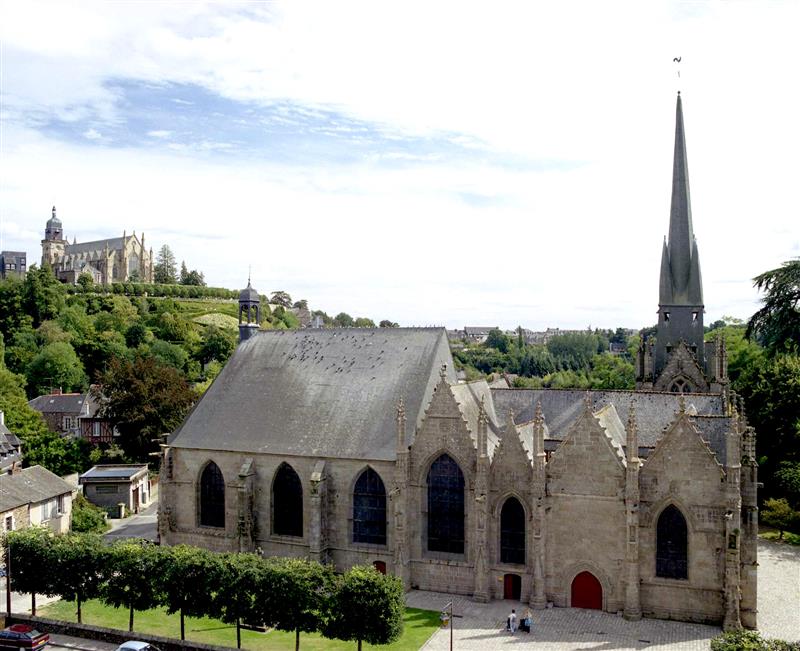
(512, 586)
(380, 566)
(587, 592)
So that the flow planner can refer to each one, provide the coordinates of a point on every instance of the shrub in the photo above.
(750, 641)
(86, 517)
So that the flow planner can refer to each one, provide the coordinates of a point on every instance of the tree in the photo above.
(611, 372)
(184, 272)
(29, 551)
(281, 298)
(86, 517)
(295, 595)
(79, 564)
(388, 324)
(241, 582)
(145, 399)
(777, 324)
(779, 514)
(194, 278)
(134, 568)
(12, 312)
(366, 606)
(363, 322)
(164, 270)
(85, 281)
(188, 573)
(302, 304)
(343, 320)
(57, 365)
(217, 344)
(497, 339)
(43, 296)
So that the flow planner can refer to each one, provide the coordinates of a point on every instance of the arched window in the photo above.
(671, 544)
(212, 497)
(369, 509)
(287, 502)
(445, 506)
(512, 532)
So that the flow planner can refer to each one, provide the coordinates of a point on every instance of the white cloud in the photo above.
(589, 82)
(92, 134)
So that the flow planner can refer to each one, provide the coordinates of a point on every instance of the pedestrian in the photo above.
(512, 621)
(527, 620)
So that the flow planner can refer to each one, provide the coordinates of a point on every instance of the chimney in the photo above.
(2, 417)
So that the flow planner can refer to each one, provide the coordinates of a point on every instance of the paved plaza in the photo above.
(482, 626)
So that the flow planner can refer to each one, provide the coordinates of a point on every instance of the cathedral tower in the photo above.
(677, 361)
(53, 242)
(249, 312)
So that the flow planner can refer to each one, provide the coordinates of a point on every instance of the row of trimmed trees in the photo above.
(287, 594)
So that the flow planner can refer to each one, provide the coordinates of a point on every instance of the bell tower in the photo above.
(249, 312)
(53, 244)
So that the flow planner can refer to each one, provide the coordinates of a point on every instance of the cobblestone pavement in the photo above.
(482, 626)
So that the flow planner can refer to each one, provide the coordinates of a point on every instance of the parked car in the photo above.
(23, 636)
(132, 645)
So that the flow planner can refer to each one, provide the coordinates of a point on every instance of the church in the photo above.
(360, 446)
(115, 260)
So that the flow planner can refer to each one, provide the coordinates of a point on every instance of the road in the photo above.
(142, 525)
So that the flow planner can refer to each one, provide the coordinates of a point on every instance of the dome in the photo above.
(54, 221)
(249, 295)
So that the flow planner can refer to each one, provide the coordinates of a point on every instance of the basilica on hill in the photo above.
(360, 446)
(115, 260)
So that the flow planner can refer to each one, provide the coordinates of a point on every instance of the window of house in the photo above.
(10, 523)
(369, 509)
(96, 429)
(512, 532)
(105, 489)
(445, 506)
(671, 544)
(212, 496)
(287, 502)
(60, 505)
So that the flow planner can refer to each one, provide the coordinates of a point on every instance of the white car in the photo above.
(137, 646)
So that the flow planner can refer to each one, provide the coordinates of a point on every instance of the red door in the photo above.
(512, 586)
(380, 566)
(587, 592)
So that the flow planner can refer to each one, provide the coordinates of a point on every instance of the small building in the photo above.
(110, 485)
(76, 415)
(35, 496)
(13, 264)
(478, 334)
(10, 447)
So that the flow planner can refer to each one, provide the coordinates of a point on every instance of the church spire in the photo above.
(680, 264)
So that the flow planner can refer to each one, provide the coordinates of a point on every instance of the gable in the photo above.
(682, 366)
(587, 462)
(511, 465)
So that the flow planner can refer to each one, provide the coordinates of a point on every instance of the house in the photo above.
(13, 264)
(35, 496)
(10, 447)
(110, 485)
(76, 415)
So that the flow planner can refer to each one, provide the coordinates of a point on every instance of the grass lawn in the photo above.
(419, 626)
(788, 536)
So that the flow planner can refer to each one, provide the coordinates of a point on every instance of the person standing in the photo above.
(512, 621)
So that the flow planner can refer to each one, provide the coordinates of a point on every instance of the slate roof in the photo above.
(325, 393)
(118, 472)
(469, 397)
(29, 486)
(114, 243)
(68, 403)
(654, 411)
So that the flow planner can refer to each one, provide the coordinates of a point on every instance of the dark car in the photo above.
(23, 636)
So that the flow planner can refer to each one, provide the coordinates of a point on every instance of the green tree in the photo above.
(611, 372)
(52, 451)
(184, 273)
(189, 572)
(85, 281)
(12, 311)
(343, 320)
(79, 566)
(217, 344)
(86, 517)
(363, 322)
(137, 334)
(498, 340)
(777, 324)
(241, 585)
(169, 354)
(194, 278)
(366, 606)
(164, 270)
(388, 324)
(132, 580)
(30, 551)
(145, 399)
(574, 351)
(281, 298)
(43, 296)
(296, 595)
(778, 513)
(57, 365)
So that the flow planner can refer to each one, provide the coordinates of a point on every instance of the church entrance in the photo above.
(512, 586)
(587, 592)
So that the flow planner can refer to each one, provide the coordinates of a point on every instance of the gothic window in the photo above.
(666, 317)
(212, 497)
(512, 532)
(445, 506)
(671, 544)
(287, 502)
(369, 509)
(680, 386)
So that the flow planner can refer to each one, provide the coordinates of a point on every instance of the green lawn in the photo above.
(788, 536)
(419, 626)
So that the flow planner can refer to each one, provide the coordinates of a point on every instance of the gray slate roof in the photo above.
(326, 393)
(29, 486)
(114, 243)
(67, 403)
(116, 472)
(654, 411)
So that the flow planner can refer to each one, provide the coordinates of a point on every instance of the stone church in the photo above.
(115, 260)
(360, 446)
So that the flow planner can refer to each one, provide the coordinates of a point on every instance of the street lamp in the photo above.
(445, 614)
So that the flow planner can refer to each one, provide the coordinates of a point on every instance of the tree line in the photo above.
(293, 595)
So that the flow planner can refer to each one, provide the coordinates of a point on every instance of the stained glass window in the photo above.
(512, 532)
(671, 544)
(445, 506)
(287, 502)
(369, 509)
(212, 497)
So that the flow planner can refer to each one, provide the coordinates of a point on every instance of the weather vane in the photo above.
(678, 60)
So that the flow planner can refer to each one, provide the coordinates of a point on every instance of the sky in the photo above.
(431, 163)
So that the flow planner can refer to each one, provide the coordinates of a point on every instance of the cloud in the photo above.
(159, 133)
(92, 134)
